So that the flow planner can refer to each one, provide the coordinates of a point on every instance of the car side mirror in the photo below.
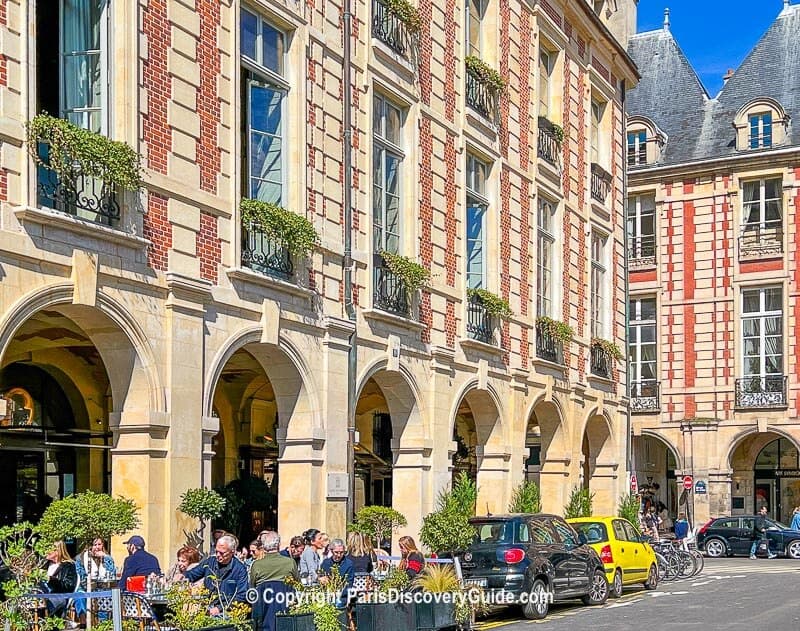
(582, 539)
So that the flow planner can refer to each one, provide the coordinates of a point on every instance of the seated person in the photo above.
(273, 566)
(62, 578)
(138, 562)
(223, 575)
(339, 561)
(187, 558)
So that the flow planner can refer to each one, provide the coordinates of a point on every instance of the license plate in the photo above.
(478, 582)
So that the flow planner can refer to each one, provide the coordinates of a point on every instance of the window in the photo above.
(762, 331)
(263, 49)
(540, 530)
(642, 227)
(476, 9)
(545, 257)
(642, 351)
(565, 533)
(387, 159)
(477, 206)
(598, 285)
(637, 147)
(545, 69)
(760, 130)
(597, 117)
(762, 204)
(631, 533)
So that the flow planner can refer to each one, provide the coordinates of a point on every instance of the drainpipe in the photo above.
(628, 438)
(347, 260)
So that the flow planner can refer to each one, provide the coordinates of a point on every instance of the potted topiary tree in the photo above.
(526, 498)
(379, 522)
(203, 505)
(580, 503)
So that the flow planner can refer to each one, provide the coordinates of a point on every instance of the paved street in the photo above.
(729, 594)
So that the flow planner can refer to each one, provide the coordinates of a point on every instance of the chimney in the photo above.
(727, 76)
(666, 19)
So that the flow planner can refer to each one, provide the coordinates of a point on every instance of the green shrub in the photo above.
(580, 503)
(526, 498)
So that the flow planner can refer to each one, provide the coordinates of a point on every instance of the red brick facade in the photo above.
(157, 230)
(209, 247)
(156, 133)
(208, 106)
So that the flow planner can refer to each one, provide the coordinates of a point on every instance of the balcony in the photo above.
(83, 196)
(547, 347)
(645, 396)
(481, 96)
(761, 393)
(642, 251)
(600, 183)
(600, 362)
(265, 255)
(390, 29)
(549, 146)
(761, 240)
(391, 294)
(480, 324)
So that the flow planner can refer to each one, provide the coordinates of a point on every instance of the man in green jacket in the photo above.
(273, 566)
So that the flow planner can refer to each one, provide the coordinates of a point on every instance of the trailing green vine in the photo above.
(484, 73)
(556, 329)
(73, 151)
(413, 275)
(294, 232)
(558, 132)
(405, 12)
(611, 349)
(494, 304)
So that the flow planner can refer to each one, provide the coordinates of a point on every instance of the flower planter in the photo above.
(435, 615)
(303, 622)
(383, 616)
(221, 627)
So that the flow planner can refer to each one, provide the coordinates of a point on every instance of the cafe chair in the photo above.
(134, 607)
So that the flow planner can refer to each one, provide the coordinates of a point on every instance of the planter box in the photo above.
(431, 616)
(384, 616)
(303, 622)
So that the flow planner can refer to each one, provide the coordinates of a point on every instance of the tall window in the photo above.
(476, 9)
(642, 226)
(598, 285)
(545, 256)
(762, 331)
(762, 204)
(387, 158)
(637, 147)
(642, 349)
(545, 69)
(263, 50)
(597, 117)
(760, 130)
(477, 205)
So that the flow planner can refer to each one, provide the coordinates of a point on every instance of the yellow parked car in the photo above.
(627, 560)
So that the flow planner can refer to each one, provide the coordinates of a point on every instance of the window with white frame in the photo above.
(760, 135)
(642, 350)
(762, 331)
(477, 207)
(476, 10)
(761, 200)
(545, 256)
(546, 59)
(264, 87)
(641, 213)
(637, 147)
(387, 160)
(596, 118)
(598, 290)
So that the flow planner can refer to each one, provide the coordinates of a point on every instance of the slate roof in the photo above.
(699, 127)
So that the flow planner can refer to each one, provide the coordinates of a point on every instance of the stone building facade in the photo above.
(166, 344)
(713, 207)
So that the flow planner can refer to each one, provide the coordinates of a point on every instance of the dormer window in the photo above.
(760, 130)
(760, 124)
(637, 147)
(644, 141)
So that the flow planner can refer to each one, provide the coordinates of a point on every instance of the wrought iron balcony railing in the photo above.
(391, 293)
(549, 148)
(760, 240)
(600, 362)
(642, 251)
(481, 96)
(263, 254)
(83, 196)
(390, 29)
(645, 396)
(759, 393)
(480, 324)
(600, 183)
(547, 347)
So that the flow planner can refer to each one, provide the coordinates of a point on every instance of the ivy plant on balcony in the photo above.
(558, 132)
(494, 304)
(484, 73)
(406, 13)
(558, 330)
(608, 347)
(413, 275)
(77, 151)
(292, 231)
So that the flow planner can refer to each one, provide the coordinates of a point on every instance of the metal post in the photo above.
(116, 609)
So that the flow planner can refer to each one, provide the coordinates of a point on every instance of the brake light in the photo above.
(605, 555)
(705, 526)
(513, 555)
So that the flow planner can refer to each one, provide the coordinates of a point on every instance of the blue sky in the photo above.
(714, 34)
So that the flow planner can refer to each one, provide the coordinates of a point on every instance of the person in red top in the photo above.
(412, 561)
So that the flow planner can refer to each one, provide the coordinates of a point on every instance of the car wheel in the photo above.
(538, 603)
(793, 549)
(598, 589)
(616, 585)
(716, 548)
(652, 578)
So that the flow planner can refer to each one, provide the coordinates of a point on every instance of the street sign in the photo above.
(700, 488)
(687, 482)
(634, 484)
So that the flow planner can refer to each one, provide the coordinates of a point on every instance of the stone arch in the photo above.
(548, 411)
(599, 462)
(546, 428)
(738, 440)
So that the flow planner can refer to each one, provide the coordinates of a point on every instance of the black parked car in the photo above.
(727, 536)
(531, 560)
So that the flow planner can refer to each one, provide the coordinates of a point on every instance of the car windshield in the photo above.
(594, 531)
(493, 531)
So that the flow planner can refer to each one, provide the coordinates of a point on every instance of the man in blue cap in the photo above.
(138, 562)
